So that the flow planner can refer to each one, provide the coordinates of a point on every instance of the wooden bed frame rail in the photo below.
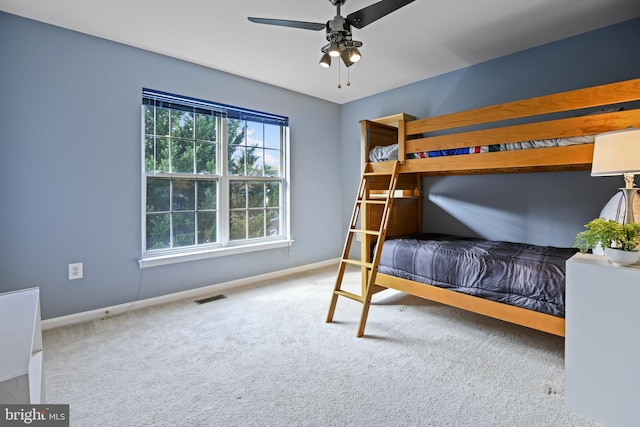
(519, 316)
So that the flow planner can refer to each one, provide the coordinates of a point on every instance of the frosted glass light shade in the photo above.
(325, 61)
(334, 49)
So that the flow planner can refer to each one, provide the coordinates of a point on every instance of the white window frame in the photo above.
(224, 246)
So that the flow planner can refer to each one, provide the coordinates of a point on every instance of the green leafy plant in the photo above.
(609, 234)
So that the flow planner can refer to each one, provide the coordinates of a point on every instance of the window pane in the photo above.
(149, 120)
(235, 132)
(182, 156)
(273, 222)
(184, 192)
(158, 195)
(237, 195)
(162, 155)
(207, 194)
(255, 134)
(256, 223)
(254, 161)
(238, 225)
(162, 121)
(156, 157)
(236, 160)
(272, 163)
(205, 127)
(181, 124)
(273, 194)
(272, 137)
(149, 154)
(207, 227)
(158, 231)
(184, 224)
(256, 194)
(206, 157)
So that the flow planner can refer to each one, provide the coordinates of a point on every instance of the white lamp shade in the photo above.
(616, 153)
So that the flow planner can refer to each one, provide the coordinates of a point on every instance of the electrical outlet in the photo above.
(75, 271)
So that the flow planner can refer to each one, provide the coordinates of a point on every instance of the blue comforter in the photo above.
(522, 275)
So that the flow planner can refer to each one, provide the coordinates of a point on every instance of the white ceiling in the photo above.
(421, 40)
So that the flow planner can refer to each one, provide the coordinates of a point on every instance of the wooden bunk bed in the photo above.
(392, 206)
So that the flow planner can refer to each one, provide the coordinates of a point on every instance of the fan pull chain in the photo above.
(340, 78)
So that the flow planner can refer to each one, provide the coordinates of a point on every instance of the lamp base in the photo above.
(628, 195)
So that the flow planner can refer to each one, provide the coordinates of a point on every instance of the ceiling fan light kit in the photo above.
(338, 29)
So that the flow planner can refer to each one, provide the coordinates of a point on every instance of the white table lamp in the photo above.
(618, 153)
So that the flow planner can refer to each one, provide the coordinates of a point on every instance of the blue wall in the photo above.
(541, 208)
(70, 168)
(70, 159)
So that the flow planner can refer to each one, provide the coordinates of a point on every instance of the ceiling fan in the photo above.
(338, 29)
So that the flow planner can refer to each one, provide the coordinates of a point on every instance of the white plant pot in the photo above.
(620, 257)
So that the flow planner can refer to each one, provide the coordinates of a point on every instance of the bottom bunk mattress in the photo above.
(522, 275)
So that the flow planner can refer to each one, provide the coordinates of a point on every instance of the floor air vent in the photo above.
(209, 299)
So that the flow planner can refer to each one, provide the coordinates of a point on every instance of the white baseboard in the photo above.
(115, 310)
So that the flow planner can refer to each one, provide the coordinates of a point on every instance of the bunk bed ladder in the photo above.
(368, 263)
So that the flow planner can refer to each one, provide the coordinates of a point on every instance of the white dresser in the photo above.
(602, 346)
(21, 349)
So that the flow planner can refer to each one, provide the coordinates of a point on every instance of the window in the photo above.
(214, 176)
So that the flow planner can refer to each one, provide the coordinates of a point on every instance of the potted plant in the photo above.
(620, 241)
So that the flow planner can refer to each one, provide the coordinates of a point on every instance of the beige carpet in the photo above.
(263, 356)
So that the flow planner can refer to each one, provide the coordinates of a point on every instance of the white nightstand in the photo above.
(21, 352)
(602, 346)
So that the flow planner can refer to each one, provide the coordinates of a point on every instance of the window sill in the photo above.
(155, 261)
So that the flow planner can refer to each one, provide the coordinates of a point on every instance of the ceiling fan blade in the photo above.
(374, 12)
(286, 23)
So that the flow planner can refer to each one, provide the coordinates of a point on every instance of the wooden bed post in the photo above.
(402, 136)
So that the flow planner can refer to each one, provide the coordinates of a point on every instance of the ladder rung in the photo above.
(357, 262)
(350, 295)
(377, 174)
(372, 202)
(362, 231)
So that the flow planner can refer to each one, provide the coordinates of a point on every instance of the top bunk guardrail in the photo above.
(553, 132)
